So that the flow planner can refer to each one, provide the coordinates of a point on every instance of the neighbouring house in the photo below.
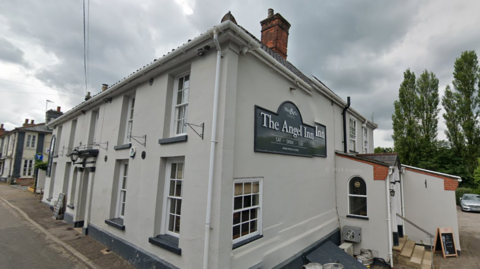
(222, 154)
(21, 146)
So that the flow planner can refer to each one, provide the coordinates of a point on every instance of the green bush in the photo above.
(41, 165)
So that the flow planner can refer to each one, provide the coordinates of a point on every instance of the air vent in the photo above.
(352, 234)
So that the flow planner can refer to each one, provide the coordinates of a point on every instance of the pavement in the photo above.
(24, 218)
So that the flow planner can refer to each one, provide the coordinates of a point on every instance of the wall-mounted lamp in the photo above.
(74, 155)
(392, 192)
(107, 100)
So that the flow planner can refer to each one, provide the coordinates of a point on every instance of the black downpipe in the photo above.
(345, 125)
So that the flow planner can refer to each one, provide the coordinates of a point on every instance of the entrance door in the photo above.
(82, 199)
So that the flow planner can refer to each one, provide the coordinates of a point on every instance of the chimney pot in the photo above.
(275, 33)
(104, 87)
(1, 126)
(32, 122)
(270, 12)
(26, 121)
(59, 109)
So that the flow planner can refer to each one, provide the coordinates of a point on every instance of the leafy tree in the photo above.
(462, 108)
(405, 124)
(476, 173)
(383, 150)
(426, 106)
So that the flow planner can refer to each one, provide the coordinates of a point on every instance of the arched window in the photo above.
(357, 197)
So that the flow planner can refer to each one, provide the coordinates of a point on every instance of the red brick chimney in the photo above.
(26, 123)
(275, 33)
(2, 130)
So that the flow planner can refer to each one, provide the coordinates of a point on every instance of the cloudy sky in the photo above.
(357, 48)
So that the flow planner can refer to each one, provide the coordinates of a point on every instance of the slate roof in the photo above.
(330, 253)
(39, 128)
(388, 158)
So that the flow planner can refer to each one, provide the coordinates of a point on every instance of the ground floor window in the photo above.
(247, 205)
(122, 189)
(27, 168)
(174, 184)
(357, 197)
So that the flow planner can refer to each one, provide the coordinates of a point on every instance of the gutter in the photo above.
(433, 172)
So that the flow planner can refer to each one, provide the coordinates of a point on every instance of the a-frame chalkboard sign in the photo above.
(445, 241)
(59, 208)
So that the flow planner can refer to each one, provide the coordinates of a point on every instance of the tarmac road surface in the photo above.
(24, 246)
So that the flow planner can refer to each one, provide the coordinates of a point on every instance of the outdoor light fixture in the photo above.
(74, 155)
(201, 51)
(392, 192)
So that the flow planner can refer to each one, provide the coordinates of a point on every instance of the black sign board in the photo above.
(445, 242)
(285, 133)
(59, 209)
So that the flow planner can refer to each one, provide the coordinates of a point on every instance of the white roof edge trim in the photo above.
(433, 172)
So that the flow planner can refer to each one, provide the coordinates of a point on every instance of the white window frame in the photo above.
(352, 139)
(357, 195)
(28, 167)
(259, 208)
(122, 190)
(129, 119)
(167, 201)
(177, 107)
(365, 140)
(31, 141)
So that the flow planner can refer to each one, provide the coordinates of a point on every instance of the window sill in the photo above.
(357, 217)
(167, 242)
(124, 146)
(116, 223)
(246, 241)
(171, 140)
(71, 206)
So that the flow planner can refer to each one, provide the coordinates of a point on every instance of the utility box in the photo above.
(352, 234)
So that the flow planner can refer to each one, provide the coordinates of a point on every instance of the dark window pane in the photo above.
(247, 201)
(236, 218)
(253, 226)
(180, 171)
(357, 186)
(172, 206)
(358, 206)
(177, 224)
(253, 213)
(245, 215)
(173, 171)
(170, 222)
(255, 199)
(172, 188)
(236, 232)
(237, 203)
(178, 188)
(179, 207)
(245, 229)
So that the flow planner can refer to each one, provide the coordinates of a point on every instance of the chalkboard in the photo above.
(444, 241)
(59, 209)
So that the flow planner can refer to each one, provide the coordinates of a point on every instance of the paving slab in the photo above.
(408, 248)
(417, 254)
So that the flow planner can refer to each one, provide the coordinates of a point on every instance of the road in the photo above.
(24, 246)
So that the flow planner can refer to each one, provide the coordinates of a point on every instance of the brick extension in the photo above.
(380, 172)
(449, 184)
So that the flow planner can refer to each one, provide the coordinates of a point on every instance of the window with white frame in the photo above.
(357, 197)
(174, 190)
(129, 124)
(180, 104)
(365, 140)
(353, 134)
(31, 141)
(122, 189)
(247, 205)
(27, 168)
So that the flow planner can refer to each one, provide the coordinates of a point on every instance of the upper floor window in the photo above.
(353, 134)
(129, 124)
(365, 140)
(180, 104)
(357, 197)
(31, 141)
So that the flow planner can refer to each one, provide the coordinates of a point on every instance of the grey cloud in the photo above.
(10, 53)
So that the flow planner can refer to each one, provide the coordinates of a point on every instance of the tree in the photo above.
(462, 106)
(426, 107)
(383, 150)
(476, 173)
(404, 120)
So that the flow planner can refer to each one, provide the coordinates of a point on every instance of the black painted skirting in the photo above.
(133, 255)
(68, 218)
(396, 241)
(400, 231)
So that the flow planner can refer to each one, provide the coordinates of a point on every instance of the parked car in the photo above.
(470, 202)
